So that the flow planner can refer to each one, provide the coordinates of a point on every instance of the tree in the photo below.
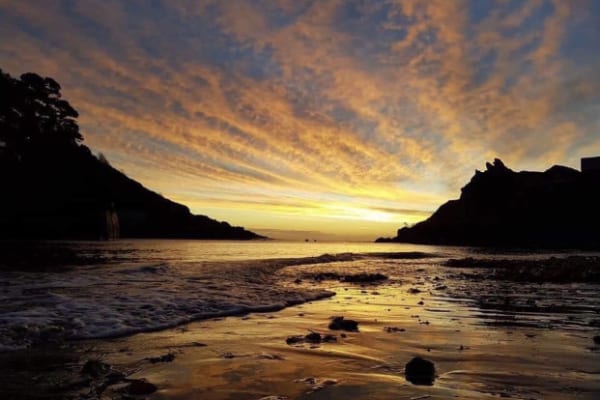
(33, 115)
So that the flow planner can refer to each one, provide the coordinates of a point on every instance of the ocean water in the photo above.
(123, 287)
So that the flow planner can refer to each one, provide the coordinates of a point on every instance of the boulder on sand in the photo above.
(420, 371)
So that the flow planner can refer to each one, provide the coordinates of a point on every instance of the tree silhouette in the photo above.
(34, 117)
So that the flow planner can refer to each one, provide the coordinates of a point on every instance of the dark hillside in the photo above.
(558, 208)
(53, 187)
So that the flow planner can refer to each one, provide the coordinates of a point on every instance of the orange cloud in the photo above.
(329, 110)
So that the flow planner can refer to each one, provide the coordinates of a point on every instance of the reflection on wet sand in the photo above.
(486, 338)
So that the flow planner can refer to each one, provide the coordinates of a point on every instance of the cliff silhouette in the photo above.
(53, 187)
(557, 208)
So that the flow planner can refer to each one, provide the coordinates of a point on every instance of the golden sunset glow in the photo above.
(330, 116)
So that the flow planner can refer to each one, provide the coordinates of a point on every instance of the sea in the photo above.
(117, 288)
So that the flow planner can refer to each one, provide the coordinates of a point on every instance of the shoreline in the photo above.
(478, 352)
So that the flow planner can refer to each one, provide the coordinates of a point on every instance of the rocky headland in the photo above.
(53, 187)
(557, 208)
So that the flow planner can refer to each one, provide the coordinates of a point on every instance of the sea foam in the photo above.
(114, 300)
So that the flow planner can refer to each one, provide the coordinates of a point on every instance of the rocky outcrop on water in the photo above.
(557, 208)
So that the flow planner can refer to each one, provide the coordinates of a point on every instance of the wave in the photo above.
(106, 301)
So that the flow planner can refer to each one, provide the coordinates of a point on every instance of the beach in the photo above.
(488, 337)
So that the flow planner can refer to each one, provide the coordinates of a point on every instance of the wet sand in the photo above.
(488, 339)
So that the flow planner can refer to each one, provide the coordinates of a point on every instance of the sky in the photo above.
(321, 119)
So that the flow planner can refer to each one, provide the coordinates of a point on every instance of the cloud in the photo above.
(300, 108)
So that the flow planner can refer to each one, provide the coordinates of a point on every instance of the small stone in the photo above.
(341, 324)
(140, 387)
(294, 339)
(329, 338)
(309, 381)
(420, 371)
(95, 368)
(169, 357)
(313, 337)
(414, 291)
(393, 329)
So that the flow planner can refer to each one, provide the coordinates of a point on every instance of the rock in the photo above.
(364, 278)
(114, 377)
(313, 337)
(309, 380)
(553, 269)
(324, 383)
(503, 208)
(164, 358)
(294, 339)
(267, 356)
(139, 387)
(414, 291)
(597, 339)
(341, 324)
(95, 368)
(420, 371)
(392, 329)
(329, 338)
(350, 278)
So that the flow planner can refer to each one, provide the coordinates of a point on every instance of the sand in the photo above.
(479, 351)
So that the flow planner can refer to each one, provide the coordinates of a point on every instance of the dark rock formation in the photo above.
(420, 371)
(313, 338)
(557, 208)
(362, 277)
(554, 269)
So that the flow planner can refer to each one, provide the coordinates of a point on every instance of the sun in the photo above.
(359, 213)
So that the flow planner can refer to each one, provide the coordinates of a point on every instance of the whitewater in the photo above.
(85, 290)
